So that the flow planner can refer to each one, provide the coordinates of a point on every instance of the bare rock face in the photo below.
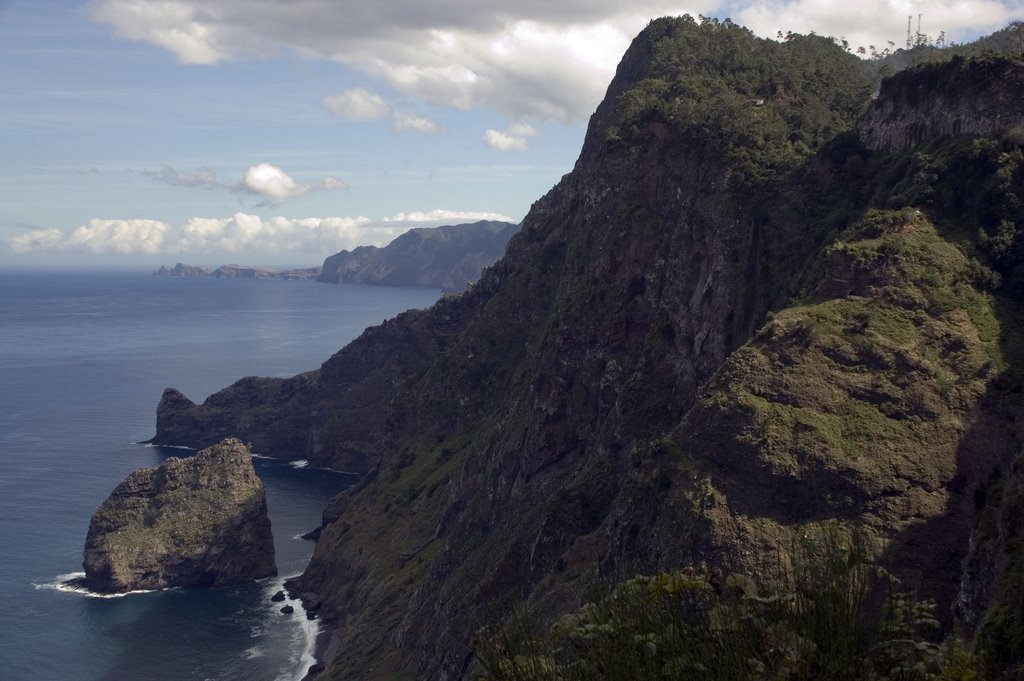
(200, 521)
(959, 97)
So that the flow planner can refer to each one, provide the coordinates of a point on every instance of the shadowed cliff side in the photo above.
(334, 416)
(627, 287)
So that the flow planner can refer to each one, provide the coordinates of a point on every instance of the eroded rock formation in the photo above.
(197, 521)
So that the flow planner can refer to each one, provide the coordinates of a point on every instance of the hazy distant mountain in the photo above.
(237, 272)
(447, 257)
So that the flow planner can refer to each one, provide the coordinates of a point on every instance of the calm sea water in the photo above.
(83, 360)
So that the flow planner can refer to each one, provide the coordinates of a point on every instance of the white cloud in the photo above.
(532, 58)
(514, 138)
(175, 26)
(203, 177)
(503, 141)
(270, 181)
(37, 240)
(521, 130)
(358, 104)
(439, 215)
(265, 180)
(330, 182)
(122, 237)
(404, 121)
(875, 22)
(240, 233)
(246, 232)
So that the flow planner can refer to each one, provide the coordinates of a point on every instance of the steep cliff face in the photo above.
(992, 584)
(335, 416)
(200, 521)
(731, 321)
(959, 97)
(447, 257)
(628, 286)
(610, 409)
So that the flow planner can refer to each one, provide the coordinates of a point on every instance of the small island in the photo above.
(197, 521)
(236, 272)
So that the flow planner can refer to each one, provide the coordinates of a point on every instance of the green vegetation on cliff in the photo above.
(833, 615)
(760, 106)
(888, 382)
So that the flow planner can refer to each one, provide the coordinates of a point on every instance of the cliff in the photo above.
(732, 322)
(335, 416)
(200, 521)
(961, 96)
(446, 257)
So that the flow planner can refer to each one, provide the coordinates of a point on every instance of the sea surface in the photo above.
(84, 358)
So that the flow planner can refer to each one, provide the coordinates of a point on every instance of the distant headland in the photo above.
(448, 257)
(236, 272)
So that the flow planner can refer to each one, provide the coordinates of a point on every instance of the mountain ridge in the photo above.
(447, 257)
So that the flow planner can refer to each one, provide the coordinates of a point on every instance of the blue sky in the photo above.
(137, 132)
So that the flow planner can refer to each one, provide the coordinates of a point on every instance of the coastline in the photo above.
(323, 650)
(324, 646)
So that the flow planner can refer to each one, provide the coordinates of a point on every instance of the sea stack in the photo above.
(197, 521)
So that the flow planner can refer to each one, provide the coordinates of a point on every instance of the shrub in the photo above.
(817, 620)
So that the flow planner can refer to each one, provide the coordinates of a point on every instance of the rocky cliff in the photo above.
(957, 97)
(733, 321)
(200, 521)
(447, 257)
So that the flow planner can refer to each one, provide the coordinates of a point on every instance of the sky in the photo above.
(277, 132)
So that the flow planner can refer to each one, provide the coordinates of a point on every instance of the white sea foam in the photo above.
(253, 653)
(304, 464)
(305, 645)
(150, 444)
(72, 583)
(303, 636)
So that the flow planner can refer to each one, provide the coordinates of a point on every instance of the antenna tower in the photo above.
(909, 17)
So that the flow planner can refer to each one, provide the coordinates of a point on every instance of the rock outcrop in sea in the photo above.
(197, 521)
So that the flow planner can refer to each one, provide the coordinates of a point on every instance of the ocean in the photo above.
(84, 357)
